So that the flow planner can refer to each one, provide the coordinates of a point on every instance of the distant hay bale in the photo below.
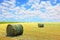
(40, 25)
(14, 30)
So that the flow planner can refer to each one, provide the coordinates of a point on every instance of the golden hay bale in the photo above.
(14, 30)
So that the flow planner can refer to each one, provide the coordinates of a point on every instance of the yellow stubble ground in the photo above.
(50, 31)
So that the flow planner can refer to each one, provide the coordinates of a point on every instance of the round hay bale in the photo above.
(41, 25)
(14, 30)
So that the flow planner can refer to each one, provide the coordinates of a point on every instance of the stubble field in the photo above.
(50, 31)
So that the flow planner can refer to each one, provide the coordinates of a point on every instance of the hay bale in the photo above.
(14, 30)
(40, 25)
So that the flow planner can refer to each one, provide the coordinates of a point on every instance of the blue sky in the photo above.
(30, 10)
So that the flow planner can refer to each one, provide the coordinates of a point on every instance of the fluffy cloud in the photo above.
(44, 11)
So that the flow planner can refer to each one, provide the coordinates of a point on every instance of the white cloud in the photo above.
(10, 11)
